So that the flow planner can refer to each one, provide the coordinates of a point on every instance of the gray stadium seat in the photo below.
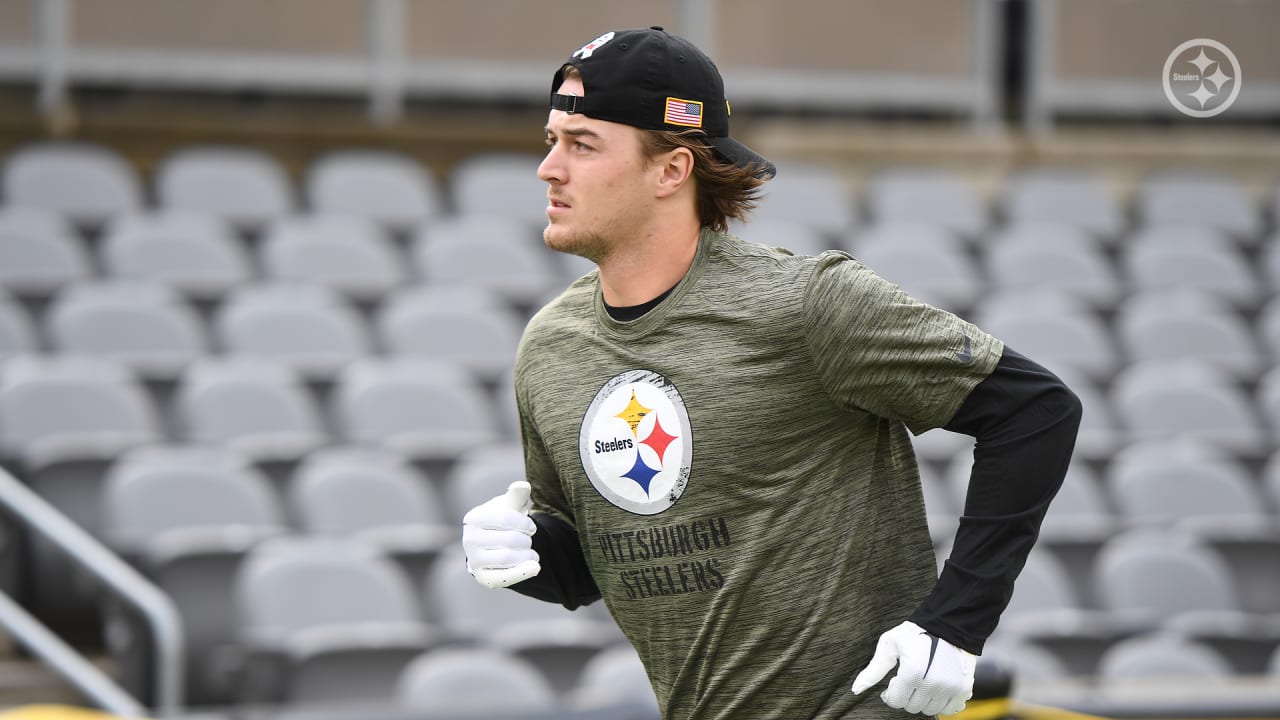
(85, 182)
(375, 496)
(1177, 257)
(794, 235)
(1099, 428)
(1032, 663)
(474, 682)
(349, 254)
(494, 253)
(1046, 607)
(1174, 325)
(1187, 400)
(1196, 197)
(941, 510)
(147, 328)
(310, 328)
(39, 253)
(325, 619)
(807, 194)
(926, 195)
(1195, 486)
(1165, 656)
(1057, 257)
(1063, 196)
(241, 185)
(558, 641)
(481, 473)
(467, 327)
(17, 332)
(256, 407)
(427, 411)
(612, 675)
(187, 515)
(390, 188)
(1053, 328)
(929, 262)
(500, 184)
(196, 254)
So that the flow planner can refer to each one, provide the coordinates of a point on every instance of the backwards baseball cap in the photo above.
(653, 80)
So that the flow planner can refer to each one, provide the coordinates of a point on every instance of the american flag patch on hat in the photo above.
(683, 112)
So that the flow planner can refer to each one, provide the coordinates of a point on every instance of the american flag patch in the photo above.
(683, 112)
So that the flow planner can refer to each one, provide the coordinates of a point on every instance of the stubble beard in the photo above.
(591, 246)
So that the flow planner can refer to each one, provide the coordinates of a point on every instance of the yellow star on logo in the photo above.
(633, 413)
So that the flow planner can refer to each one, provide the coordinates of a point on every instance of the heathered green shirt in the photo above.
(738, 467)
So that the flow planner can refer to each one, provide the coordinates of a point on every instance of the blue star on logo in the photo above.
(641, 473)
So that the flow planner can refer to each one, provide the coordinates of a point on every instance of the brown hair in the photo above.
(725, 191)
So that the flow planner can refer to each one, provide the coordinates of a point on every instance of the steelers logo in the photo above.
(636, 443)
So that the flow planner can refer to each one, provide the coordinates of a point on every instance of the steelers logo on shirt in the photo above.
(636, 444)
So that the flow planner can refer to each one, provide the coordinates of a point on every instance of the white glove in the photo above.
(498, 539)
(934, 677)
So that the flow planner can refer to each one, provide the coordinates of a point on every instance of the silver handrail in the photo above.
(128, 583)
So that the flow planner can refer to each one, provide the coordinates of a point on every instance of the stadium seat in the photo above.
(807, 194)
(389, 188)
(17, 332)
(1174, 325)
(612, 675)
(1182, 257)
(241, 185)
(147, 328)
(941, 511)
(467, 327)
(559, 642)
(481, 473)
(39, 254)
(927, 261)
(310, 328)
(348, 254)
(794, 235)
(1192, 485)
(1063, 196)
(195, 254)
(1165, 656)
(375, 496)
(1032, 663)
(1045, 606)
(498, 184)
(325, 619)
(187, 515)
(496, 254)
(258, 408)
(1198, 197)
(1187, 400)
(1051, 257)
(926, 195)
(1052, 328)
(425, 410)
(86, 182)
(474, 682)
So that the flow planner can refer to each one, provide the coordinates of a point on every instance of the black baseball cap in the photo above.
(653, 80)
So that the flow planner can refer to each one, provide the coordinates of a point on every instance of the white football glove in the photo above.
(498, 539)
(934, 677)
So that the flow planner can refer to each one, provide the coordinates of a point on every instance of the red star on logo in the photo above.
(659, 439)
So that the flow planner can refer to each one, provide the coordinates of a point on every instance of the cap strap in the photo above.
(568, 103)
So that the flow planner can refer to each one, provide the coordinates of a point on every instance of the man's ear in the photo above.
(677, 169)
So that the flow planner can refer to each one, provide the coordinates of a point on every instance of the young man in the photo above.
(716, 432)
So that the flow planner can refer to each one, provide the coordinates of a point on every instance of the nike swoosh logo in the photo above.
(933, 648)
(965, 354)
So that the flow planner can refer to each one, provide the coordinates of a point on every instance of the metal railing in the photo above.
(156, 609)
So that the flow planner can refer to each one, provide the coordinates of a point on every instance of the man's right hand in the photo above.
(498, 539)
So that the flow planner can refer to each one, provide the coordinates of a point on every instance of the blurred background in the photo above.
(264, 265)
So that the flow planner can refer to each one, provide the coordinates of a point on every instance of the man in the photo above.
(716, 432)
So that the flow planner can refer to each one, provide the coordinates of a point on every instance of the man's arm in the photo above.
(1025, 421)
(565, 578)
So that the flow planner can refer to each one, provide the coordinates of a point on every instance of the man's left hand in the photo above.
(934, 677)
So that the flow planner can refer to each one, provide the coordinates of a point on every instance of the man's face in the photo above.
(599, 183)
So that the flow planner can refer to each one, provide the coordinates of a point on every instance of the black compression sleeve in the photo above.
(1025, 420)
(565, 578)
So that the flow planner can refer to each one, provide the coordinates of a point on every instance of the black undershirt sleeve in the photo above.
(564, 578)
(1025, 421)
